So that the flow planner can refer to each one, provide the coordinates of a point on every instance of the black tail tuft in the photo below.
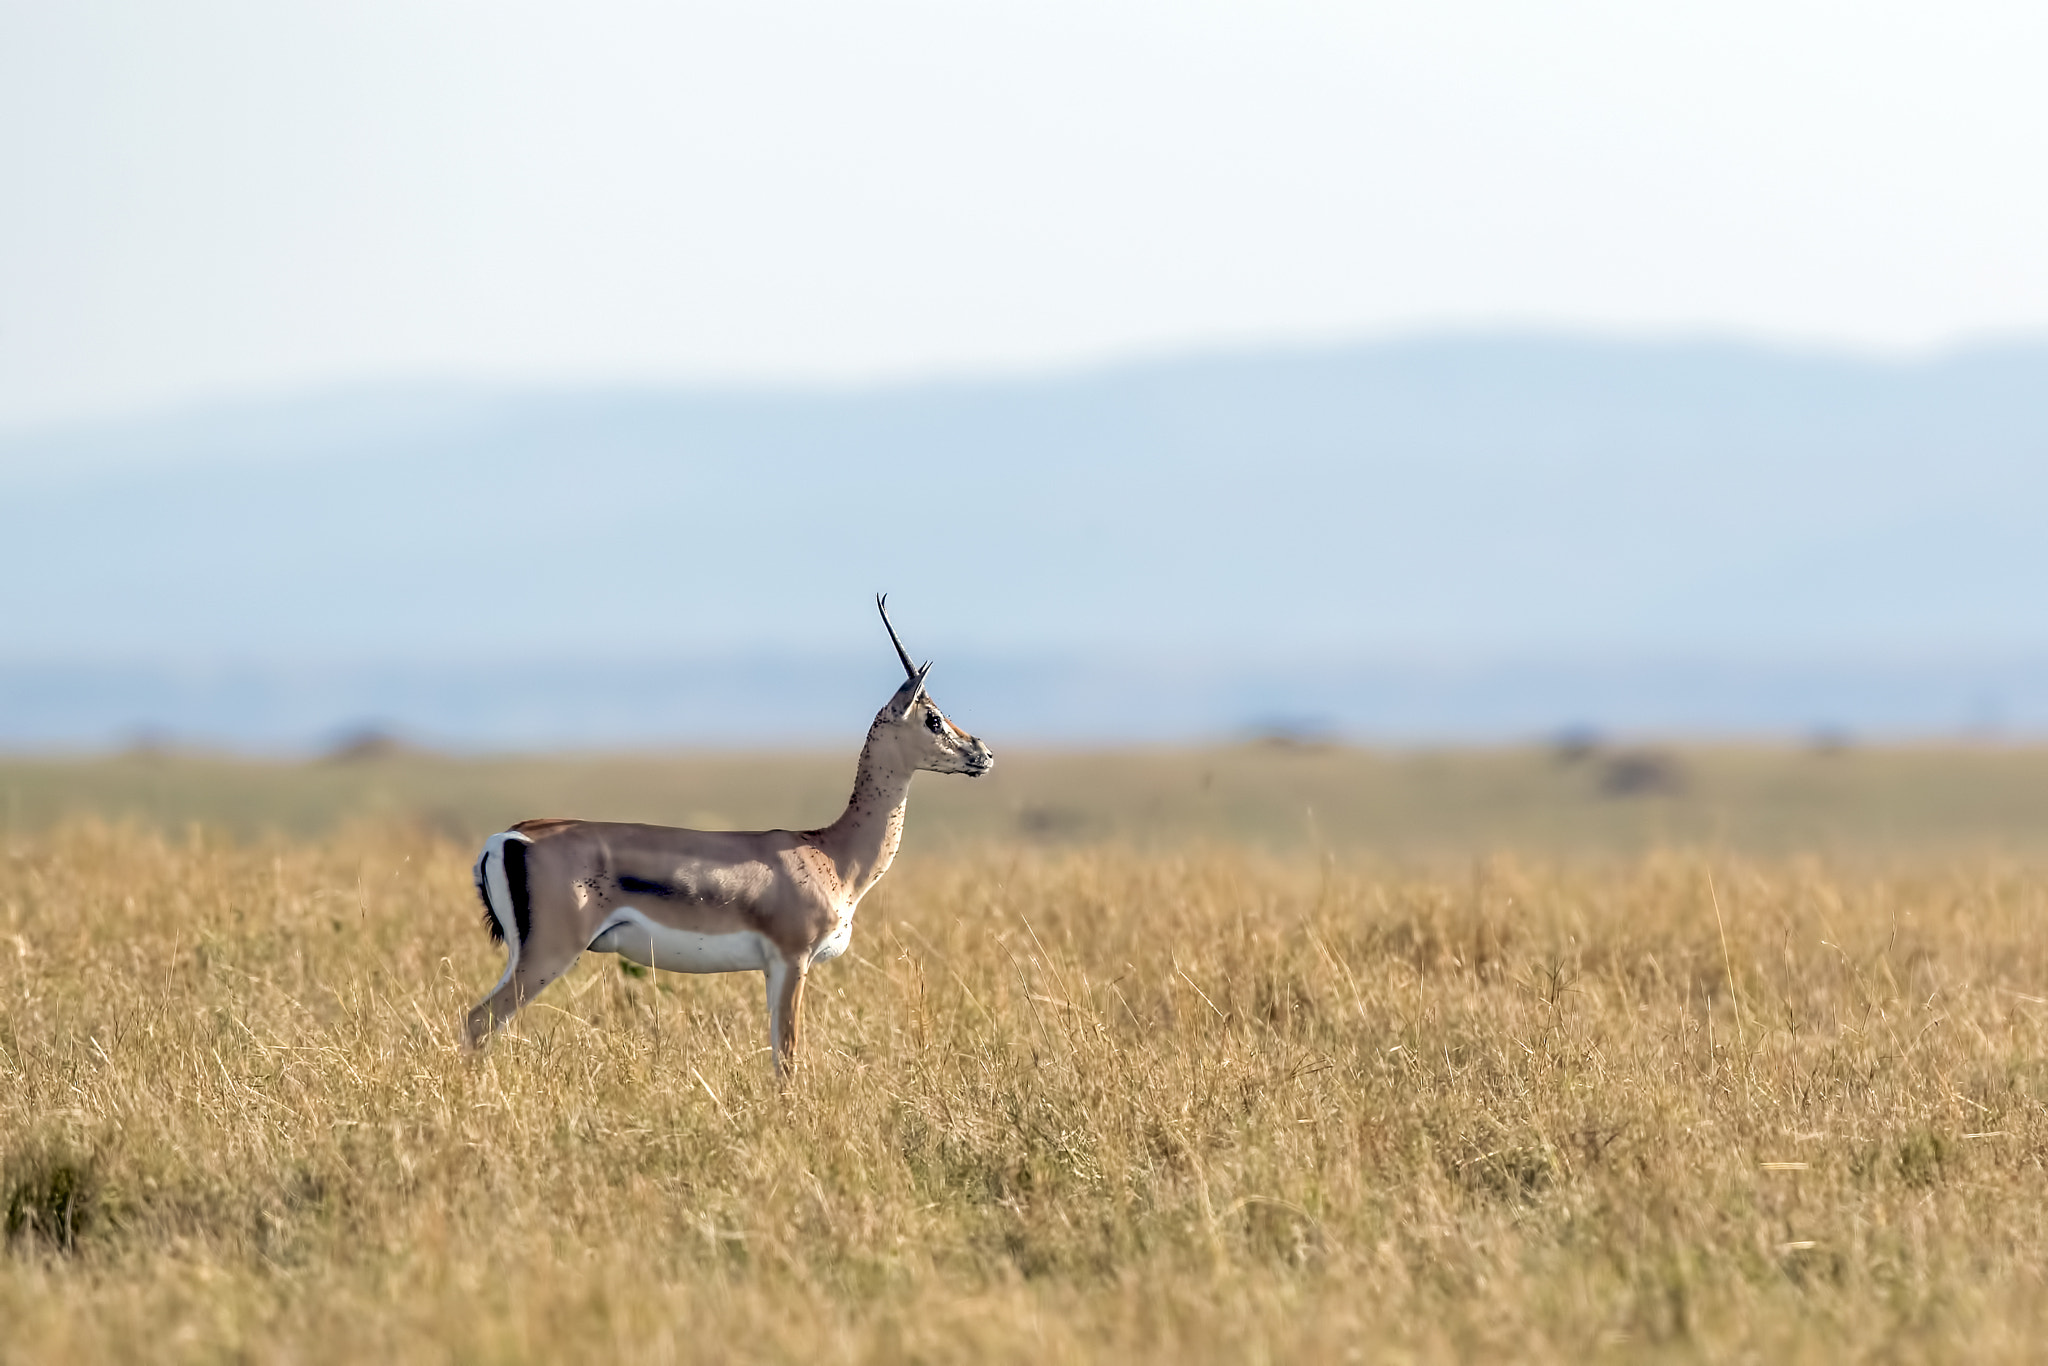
(483, 894)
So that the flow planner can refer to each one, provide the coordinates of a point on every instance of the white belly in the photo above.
(635, 938)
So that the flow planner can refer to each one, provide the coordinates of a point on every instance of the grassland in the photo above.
(1443, 804)
(1492, 1056)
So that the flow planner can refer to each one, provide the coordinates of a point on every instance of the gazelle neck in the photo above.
(863, 841)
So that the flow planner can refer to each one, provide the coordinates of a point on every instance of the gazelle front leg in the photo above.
(786, 977)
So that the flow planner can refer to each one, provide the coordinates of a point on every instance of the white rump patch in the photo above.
(498, 889)
(637, 939)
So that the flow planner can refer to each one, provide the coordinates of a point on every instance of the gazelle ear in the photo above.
(916, 688)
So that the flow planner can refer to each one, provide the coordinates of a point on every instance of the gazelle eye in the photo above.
(934, 723)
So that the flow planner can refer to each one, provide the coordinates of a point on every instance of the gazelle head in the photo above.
(915, 729)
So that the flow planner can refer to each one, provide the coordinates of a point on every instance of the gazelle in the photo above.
(777, 902)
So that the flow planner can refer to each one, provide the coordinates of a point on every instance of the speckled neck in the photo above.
(862, 842)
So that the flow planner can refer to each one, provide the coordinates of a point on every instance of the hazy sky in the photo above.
(208, 198)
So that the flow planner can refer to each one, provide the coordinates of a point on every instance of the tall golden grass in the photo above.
(1075, 1105)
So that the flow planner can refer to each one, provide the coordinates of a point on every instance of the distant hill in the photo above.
(1240, 539)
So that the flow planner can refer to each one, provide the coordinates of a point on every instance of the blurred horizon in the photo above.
(1453, 538)
(819, 706)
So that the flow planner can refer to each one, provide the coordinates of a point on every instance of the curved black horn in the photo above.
(882, 606)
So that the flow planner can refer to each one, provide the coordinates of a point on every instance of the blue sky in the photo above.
(215, 199)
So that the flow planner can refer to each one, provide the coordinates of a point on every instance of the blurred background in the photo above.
(509, 377)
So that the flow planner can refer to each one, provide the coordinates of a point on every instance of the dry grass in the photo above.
(1058, 1106)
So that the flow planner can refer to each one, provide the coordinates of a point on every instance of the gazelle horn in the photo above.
(882, 606)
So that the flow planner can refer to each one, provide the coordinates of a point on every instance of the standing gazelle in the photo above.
(771, 901)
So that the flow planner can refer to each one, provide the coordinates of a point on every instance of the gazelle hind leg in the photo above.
(528, 976)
